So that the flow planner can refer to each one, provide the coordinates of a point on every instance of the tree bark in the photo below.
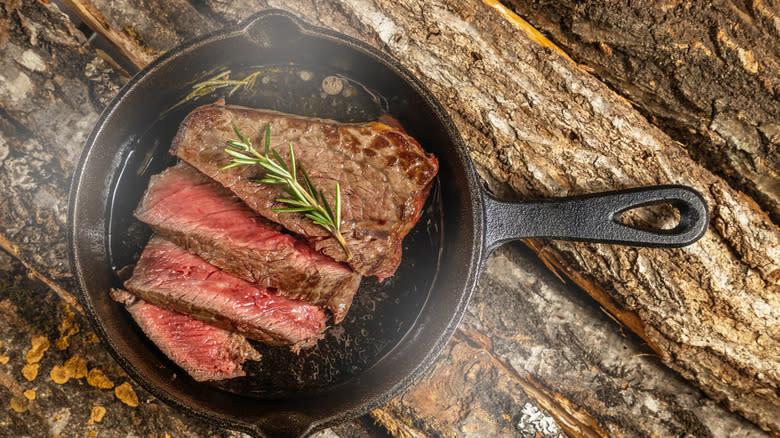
(50, 95)
(527, 340)
(708, 73)
(139, 36)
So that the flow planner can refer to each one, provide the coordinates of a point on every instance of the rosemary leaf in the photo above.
(293, 202)
(325, 202)
(240, 137)
(338, 203)
(292, 162)
(270, 181)
(310, 186)
(279, 159)
(236, 154)
(212, 84)
(304, 199)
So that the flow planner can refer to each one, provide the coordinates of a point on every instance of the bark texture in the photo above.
(139, 35)
(51, 91)
(537, 125)
(529, 340)
(708, 73)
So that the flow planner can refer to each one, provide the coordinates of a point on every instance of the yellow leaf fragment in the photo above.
(126, 394)
(4, 359)
(30, 371)
(20, 404)
(96, 378)
(77, 367)
(59, 375)
(92, 433)
(39, 346)
(68, 327)
(97, 414)
(91, 338)
(30, 394)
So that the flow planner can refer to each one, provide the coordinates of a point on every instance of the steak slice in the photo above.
(205, 352)
(384, 174)
(169, 276)
(191, 210)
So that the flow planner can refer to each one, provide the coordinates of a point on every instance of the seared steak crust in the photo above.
(195, 212)
(171, 277)
(384, 175)
(205, 352)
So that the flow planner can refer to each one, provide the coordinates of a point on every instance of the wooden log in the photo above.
(537, 125)
(529, 339)
(50, 96)
(139, 29)
(707, 73)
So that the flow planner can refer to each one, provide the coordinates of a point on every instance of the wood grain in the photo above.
(122, 41)
(145, 28)
(707, 74)
(52, 91)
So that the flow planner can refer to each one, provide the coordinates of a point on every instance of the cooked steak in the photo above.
(205, 352)
(384, 174)
(191, 210)
(168, 276)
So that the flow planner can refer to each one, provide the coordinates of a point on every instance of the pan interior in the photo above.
(381, 312)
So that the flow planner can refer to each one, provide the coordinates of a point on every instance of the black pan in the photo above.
(395, 329)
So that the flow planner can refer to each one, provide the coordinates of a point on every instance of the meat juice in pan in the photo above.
(381, 313)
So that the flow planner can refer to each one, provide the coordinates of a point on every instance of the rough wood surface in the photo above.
(142, 29)
(708, 73)
(51, 91)
(528, 339)
(522, 109)
(537, 125)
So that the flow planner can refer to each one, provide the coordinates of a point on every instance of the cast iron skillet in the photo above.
(395, 329)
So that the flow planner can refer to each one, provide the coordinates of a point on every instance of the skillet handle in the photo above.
(596, 218)
(266, 28)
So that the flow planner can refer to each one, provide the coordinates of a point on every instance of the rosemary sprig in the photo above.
(303, 199)
(221, 80)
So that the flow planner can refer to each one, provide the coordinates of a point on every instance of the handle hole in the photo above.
(653, 217)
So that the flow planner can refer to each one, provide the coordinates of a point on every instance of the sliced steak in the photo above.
(168, 276)
(205, 352)
(193, 211)
(384, 174)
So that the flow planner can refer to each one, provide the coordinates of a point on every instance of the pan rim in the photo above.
(474, 264)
